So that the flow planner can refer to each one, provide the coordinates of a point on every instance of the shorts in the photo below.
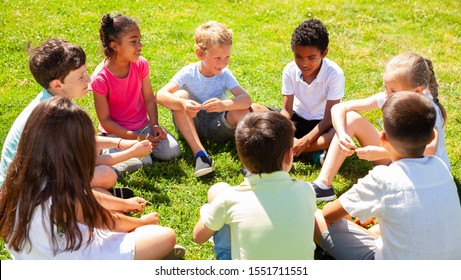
(302, 125)
(213, 126)
(344, 240)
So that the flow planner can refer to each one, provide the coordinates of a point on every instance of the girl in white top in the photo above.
(404, 72)
(47, 207)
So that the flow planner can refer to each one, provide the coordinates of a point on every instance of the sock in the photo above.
(321, 185)
(201, 153)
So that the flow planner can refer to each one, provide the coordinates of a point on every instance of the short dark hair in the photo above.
(55, 59)
(408, 121)
(262, 139)
(310, 33)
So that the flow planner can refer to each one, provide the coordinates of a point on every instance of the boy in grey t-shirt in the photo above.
(197, 95)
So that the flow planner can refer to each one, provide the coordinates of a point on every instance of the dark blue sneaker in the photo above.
(324, 195)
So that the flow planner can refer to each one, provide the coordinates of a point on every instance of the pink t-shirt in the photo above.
(124, 96)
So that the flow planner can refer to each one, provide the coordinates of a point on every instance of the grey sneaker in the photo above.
(203, 166)
(177, 253)
(122, 192)
(127, 166)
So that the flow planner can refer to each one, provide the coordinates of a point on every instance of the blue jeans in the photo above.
(222, 243)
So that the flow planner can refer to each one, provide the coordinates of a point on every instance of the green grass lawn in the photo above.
(363, 36)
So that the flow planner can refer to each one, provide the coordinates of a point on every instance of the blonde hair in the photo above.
(414, 70)
(212, 34)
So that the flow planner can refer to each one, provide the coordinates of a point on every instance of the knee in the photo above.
(233, 117)
(104, 177)
(181, 94)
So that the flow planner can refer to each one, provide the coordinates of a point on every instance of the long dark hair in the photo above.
(54, 162)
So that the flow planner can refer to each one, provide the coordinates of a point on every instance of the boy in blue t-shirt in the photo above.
(197, 95)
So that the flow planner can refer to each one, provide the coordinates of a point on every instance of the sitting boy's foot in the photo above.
(203, 166)
(177, 253)
(127, 166)
(122, 192)
(324, 194)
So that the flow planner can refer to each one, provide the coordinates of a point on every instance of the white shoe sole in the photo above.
(203, 171)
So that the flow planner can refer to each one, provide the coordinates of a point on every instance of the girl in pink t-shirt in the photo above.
(124, 100)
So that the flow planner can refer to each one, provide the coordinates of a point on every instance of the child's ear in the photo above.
(113, 46)
(200, 53)
(324, 54)
(433, 135)
(419, 89)
(55, 84)
(288, 159)
(383, 138)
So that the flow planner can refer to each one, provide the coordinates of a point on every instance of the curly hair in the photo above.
(310, 33)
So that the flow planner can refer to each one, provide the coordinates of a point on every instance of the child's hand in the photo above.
(150, 219)
(213, 105)
(134, 204)
(299, 146)
(158, 132)
(346, 144)
(141, 148)
(371, 153)
(191, 107)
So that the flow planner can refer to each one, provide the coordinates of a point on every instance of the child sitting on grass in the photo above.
(311, 85)
(414, 198)
(59, 67)
(197, 95)
(270, 214)
(47, 207)
(124, 101)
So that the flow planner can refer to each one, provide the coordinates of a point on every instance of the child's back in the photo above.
(270, 214)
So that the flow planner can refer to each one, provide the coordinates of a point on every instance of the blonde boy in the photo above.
(197, 94)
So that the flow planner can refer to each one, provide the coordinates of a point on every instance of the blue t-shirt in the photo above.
(202, 88)
(12, 139)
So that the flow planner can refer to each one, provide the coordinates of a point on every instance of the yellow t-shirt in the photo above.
(271, 216)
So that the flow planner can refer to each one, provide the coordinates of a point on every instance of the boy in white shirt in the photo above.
(414, 198)
(311, 85)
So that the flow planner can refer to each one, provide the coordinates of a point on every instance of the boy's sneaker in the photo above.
(324, 195)
(122, 192)
(203, 166)
(177, 253)
(127, 166)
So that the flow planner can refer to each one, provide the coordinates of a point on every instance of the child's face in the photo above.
(214, 60)
(75, 84)
(129, 47)
(308, 59)
(393, 85)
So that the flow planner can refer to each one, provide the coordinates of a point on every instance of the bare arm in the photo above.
(202, 233)
(241, 101)
(113, 203)
(140, 149)
(287, 106)
(333, 211)
(323, 126)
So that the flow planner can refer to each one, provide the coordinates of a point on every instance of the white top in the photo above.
(417, 207)
(441, 149)
(271, 216)
(105, 246)
(202, 88)
(310, 99)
